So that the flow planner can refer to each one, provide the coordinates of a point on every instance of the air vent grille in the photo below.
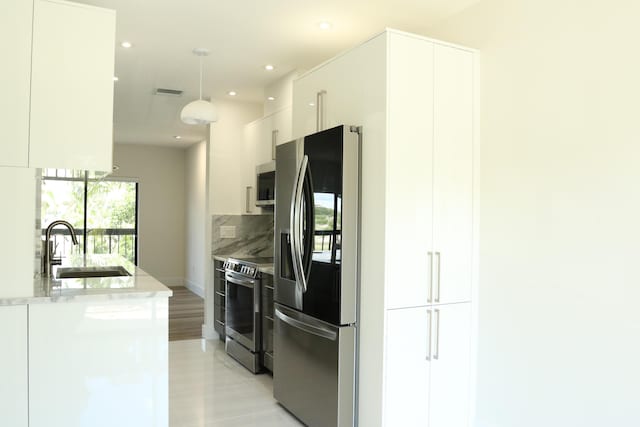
(168, 92)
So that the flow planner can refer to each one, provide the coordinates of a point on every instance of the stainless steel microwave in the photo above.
(266, 184)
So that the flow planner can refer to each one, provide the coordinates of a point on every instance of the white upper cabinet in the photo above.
(15, 45)
(72, 86)
(453, 174)
(430, 173)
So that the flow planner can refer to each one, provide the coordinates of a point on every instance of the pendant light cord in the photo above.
(201, 78)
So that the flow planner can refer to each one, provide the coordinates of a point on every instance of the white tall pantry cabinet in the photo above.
(414, 98)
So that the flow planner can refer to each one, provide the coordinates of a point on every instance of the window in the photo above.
(102, 211)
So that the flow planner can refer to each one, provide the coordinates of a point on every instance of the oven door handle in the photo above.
(305, 327)
(236, 281)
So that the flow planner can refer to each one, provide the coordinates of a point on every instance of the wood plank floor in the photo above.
(186, 315)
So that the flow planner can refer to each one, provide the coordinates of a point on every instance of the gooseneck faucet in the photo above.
(47, 255)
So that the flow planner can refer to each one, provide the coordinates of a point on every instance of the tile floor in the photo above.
(207, 388)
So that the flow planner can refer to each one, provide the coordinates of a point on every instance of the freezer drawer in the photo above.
(314, 369)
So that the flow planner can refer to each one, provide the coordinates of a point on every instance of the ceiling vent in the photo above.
(168, 92)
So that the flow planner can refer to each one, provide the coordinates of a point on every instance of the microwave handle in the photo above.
(274, 140)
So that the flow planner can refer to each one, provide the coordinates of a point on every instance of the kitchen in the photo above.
(544, 200)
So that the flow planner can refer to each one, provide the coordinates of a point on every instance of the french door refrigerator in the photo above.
(316, 276)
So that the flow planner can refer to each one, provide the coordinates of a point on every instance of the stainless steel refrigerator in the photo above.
(316, 276)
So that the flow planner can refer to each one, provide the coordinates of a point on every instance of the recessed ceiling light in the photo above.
(177, 136)
(324, 25)
(269, 67)
(115, 78)
(125, 44)
(312, 104)
(232, 93)
(271, 98)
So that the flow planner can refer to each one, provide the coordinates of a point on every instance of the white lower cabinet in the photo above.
(428, 362)
(14, 410)
(99, 364)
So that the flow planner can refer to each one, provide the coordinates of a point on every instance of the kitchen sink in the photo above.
(82, 272)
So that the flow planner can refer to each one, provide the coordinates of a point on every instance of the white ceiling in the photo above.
(243, 36)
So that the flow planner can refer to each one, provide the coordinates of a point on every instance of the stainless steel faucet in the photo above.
(47, 255)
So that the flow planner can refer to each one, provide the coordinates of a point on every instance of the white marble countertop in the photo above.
(49, 290)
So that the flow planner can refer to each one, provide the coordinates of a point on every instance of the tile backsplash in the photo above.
(244, 235)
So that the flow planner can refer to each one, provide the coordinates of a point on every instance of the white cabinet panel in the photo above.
(15, 75)
(111, 357)
(13, 366)
(450, 366)
(17, 255)
(407, 368)
(409, 171)
(428, 357)
(453, 173)
(72, 86)
(281, 122)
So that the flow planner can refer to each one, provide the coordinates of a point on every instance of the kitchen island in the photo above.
(87, 351)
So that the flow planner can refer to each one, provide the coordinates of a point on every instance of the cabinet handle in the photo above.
(320, 110)
(430, 284)
(436, 354)
(428, 334)
(274, 139)
(437, 295)
(248, 200)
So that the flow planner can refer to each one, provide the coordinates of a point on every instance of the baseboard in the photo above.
(171, 282)
(209, 333)
(193, 287)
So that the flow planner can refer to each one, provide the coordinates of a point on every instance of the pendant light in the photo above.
(199, 112)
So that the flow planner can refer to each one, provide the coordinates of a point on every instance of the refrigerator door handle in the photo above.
(293, 242)
(296, 231)
(311, 329)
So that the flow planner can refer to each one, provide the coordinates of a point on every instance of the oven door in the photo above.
(242, 314)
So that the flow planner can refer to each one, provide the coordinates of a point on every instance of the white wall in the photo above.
(559, 326)
(160, 172)
(196, 215)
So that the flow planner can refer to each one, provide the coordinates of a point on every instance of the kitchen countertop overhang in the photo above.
(49, 290)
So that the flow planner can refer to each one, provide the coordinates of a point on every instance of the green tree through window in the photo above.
(103, 212)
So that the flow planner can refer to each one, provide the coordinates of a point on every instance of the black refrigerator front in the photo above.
(316, 276)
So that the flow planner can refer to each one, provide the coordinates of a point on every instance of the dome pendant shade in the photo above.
(199, 112)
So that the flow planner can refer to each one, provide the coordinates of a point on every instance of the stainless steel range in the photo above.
(243, 311)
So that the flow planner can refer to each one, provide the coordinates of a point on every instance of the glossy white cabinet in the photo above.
(413, 97)
(17, 255)
(72, 86)
(260, 138)
(428, 359)
(15, 44)
(102, 363)
(14, 409)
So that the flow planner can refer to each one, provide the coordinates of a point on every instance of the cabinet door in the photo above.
(72, 86)
(305, 90)
(453, 174)
(407, 367)
(99, 364)
(409, 172)
(450, 366)
(282, 124)
(13, 366)
(15, 44)
(253, 135)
